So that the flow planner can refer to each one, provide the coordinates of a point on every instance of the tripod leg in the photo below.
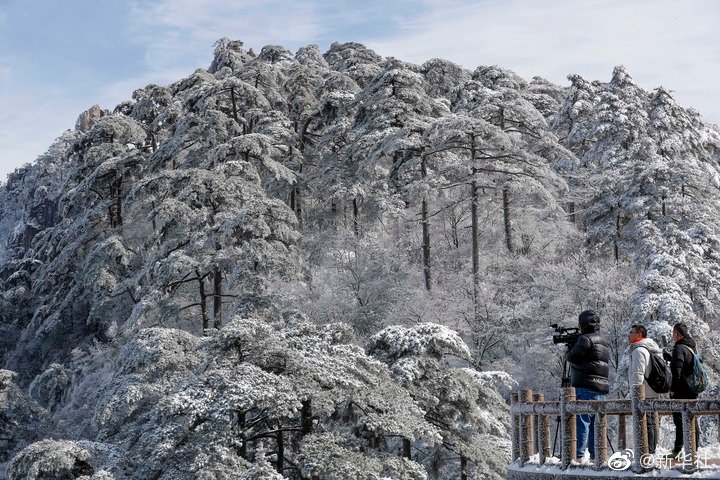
(610, 442)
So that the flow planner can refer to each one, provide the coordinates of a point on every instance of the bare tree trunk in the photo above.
(242, 420)
(303, 131)
(394, 175)
(664, 211)
(118, 200)
(115, 209)
(463, 467)
(280, 449)
(112, 214)
(616, 248)
(234, 109)
(203, 300)
(306, 426)
(506, 217)
(297, 195)
(454, 224)
(475, 250)
(426, 230)
(356, 221)
(407, 448)
(217, 298)
(475, 234)
(217, 287)
(298, 206)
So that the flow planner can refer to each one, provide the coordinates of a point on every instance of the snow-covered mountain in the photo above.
(295, 265)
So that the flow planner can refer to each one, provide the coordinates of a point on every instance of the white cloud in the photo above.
(30, 122)
(660, 42)
(180, 33)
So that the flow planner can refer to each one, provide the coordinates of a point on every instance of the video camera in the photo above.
(567, 335)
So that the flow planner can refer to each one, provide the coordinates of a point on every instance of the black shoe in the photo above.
(675, 453)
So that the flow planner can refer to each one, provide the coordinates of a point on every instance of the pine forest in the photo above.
(337, 266)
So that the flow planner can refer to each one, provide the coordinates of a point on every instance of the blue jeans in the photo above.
(586, 423)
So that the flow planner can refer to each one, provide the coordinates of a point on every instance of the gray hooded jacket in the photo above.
(640, 364)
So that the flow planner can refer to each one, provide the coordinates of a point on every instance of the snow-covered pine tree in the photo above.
(451, 397)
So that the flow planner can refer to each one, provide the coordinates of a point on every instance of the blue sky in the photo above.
(58, 58)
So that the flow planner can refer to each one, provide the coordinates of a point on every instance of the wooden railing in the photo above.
(531, 425)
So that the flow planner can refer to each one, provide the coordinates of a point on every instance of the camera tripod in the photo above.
(564, 383)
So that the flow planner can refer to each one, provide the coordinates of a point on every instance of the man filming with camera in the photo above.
(589, 361)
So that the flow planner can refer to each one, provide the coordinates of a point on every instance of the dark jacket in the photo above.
(681, 364)
(589, 361)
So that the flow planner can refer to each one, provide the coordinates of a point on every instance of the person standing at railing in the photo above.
(681, 365)
(589, 362)
(640, 367)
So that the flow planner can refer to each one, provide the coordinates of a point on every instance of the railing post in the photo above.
(640, 445)
(529, 427)
(568, 439)
(514, 428)
(542, 432)
(526, 430)
(600, 440)
(689, 445)
(622, 432)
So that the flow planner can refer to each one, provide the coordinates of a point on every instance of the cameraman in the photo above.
(589, 369)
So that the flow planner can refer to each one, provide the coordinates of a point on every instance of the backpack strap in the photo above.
(689, 348)
(646, 348)
(649, 359)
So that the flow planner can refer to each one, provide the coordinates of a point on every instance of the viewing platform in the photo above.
(532, 445)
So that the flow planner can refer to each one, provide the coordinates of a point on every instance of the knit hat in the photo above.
(681, 328)
(588, 317)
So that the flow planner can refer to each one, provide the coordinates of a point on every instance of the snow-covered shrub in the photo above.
(23, 421)
(52, 387)
(63, 459)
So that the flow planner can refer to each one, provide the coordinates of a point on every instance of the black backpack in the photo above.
(660, 377)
